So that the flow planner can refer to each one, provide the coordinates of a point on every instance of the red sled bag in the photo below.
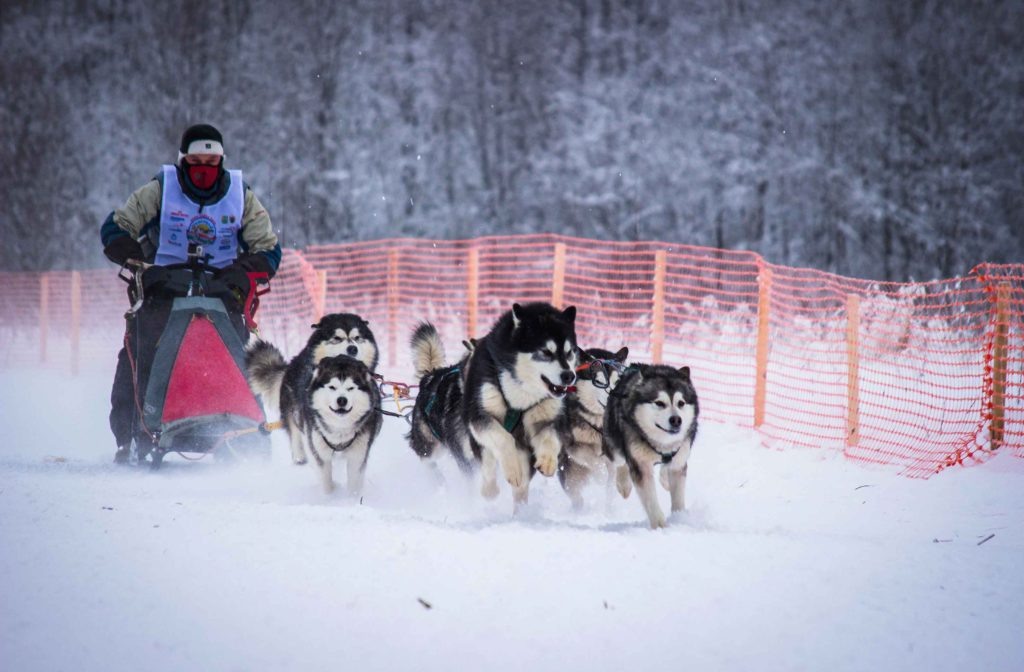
(188, 356)
(197, 397)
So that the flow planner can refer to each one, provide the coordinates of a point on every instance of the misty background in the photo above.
(875, 139)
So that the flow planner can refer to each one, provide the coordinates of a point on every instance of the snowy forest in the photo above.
(875, 139)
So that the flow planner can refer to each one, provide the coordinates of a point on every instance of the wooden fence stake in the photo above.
(658, 306)
(76, 319)
(852, 369)
(320, 300)
(392, 307)
(472, 291)
(44, 314)
(999, 365)
(558, 276)
(764, 288)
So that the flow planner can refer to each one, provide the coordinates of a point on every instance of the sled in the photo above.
(196, 400)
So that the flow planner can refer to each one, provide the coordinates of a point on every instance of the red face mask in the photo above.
(203, 177)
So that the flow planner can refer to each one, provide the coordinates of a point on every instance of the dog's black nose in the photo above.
(675, 421)
(342, 402)
(353, 350)
(568, 377)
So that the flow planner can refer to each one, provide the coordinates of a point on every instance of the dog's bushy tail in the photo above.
(265, 367)
(427, 349)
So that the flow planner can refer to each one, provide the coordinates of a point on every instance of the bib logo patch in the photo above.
(202, 230)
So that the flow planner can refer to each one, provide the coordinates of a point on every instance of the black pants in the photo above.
(142, 333)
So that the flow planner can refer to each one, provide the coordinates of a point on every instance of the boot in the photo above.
(123, 454)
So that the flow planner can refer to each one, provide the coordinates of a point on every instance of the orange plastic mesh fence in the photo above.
(917, 375)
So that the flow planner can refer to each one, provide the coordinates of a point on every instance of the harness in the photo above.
(336, 447)
(512, 419)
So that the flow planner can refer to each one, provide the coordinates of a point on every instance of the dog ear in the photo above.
(569, 314)
(315, 326)
(685, 370)
(516, 309)
(621, 355)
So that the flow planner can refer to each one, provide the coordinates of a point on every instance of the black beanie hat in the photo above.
(200, 132)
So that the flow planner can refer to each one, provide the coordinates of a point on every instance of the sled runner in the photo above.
(188, 363)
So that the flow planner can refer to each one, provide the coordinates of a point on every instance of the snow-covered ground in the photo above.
(786, 560)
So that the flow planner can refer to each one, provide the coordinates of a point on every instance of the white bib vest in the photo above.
(215, 226)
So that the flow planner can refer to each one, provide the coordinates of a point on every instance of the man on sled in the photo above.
(196, 214)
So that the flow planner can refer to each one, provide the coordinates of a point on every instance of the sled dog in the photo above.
(582, 457)
(514, 394)
(335, 334)
(651, 419)
(337, 411)
(436, 421)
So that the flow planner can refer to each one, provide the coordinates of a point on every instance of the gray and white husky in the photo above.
(514, 393)
(582, 458)
(336, 412)
(651, 419)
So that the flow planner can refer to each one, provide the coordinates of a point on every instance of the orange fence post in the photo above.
(392, 307)
(658, 306)
(852, 369)
(999, 365)
(558, 276)
(472, 291)
(320, 298)
(76, 319)
(44, 314)
(764, 288)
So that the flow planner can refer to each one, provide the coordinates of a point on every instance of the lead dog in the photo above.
(513, 401)
(651, 419)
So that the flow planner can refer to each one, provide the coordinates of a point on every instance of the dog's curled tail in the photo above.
(265, 367)
(427, 349)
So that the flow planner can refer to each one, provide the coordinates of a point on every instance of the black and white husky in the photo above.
(436, 420)
(582, 458)
(651, 419)
(336, 413)
(335, 334)
(514, 393)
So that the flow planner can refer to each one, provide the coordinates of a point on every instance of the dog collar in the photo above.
(665, 457)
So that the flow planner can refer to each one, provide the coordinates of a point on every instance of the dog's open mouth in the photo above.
(557, 390)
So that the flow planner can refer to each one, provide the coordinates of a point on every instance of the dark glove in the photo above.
(236, 277)
(123, 248)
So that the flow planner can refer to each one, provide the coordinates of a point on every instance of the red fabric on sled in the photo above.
(205, 379)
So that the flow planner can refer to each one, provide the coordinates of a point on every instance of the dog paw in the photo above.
(513, 473)
(547, 464)
(623, 483)
(657, 521)
(489, 489)
(299, 460)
